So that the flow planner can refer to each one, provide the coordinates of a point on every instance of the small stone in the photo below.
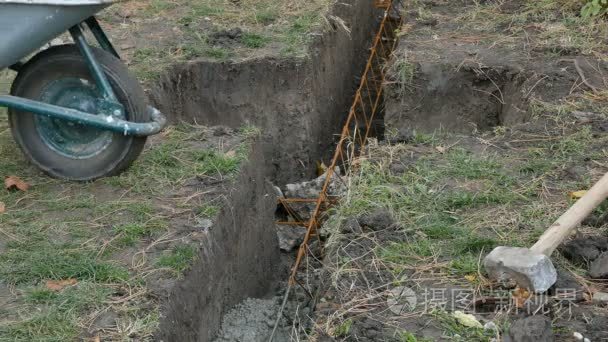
(599, 267)
(490, 326)
(531, 329)
(586, 340)
(577, 336)
(600, 298)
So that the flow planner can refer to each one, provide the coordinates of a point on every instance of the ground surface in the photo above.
(405, 246)
(154, 34)
(97, 259)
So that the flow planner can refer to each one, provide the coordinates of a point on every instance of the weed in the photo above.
(254, 40)
(296, 36)
(130, 234)
(594, 8)
(178, 259)
(403, 70)
(343, 329)
(266, 15)
(208, 210)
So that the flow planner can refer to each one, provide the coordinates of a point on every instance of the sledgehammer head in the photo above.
(531, 270)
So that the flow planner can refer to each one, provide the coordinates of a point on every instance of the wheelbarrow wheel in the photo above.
(60, 76)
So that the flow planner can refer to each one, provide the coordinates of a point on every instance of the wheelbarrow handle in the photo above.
(106, 122)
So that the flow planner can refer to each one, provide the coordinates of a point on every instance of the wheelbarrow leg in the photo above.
(97, 72)
(101, 37)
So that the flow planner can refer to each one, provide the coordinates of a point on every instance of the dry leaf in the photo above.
(520, 296)
(2, 207)
(471, 278)
(15, 183)
(230, 154)
(58, 285)
(441, 149)
(577, 194)
(97, 339)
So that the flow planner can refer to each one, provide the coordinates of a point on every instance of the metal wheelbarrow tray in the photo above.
(74, 110)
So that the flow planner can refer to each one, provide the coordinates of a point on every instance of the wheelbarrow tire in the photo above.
(65, 62)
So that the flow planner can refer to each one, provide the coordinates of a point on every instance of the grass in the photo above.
(208, 210)
(403, 72)
(178, 259)
(97, 233)
(254, 40)
(456, 204)
(54, 315)
(562, 28)
(270, 28)
(170, 164)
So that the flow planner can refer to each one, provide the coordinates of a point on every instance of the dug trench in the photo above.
(297, 105)
(447, 88)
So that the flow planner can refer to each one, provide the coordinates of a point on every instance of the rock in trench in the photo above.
(290, 237)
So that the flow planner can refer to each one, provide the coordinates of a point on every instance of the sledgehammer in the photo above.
(531, 268)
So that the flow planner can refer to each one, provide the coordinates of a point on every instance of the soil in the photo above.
(483, 78)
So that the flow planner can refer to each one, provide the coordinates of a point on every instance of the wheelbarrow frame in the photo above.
(112, 111)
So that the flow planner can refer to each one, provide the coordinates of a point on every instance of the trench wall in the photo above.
(237, 261)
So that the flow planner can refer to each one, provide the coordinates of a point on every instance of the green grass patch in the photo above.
(254, 40)
(56, 318)
(208, 210)
(130, 234)
(179, 259)
(177, 159)
(38, 260)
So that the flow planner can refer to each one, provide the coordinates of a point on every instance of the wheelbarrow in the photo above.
(74, 110)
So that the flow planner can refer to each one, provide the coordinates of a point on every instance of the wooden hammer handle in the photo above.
(564, 225)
